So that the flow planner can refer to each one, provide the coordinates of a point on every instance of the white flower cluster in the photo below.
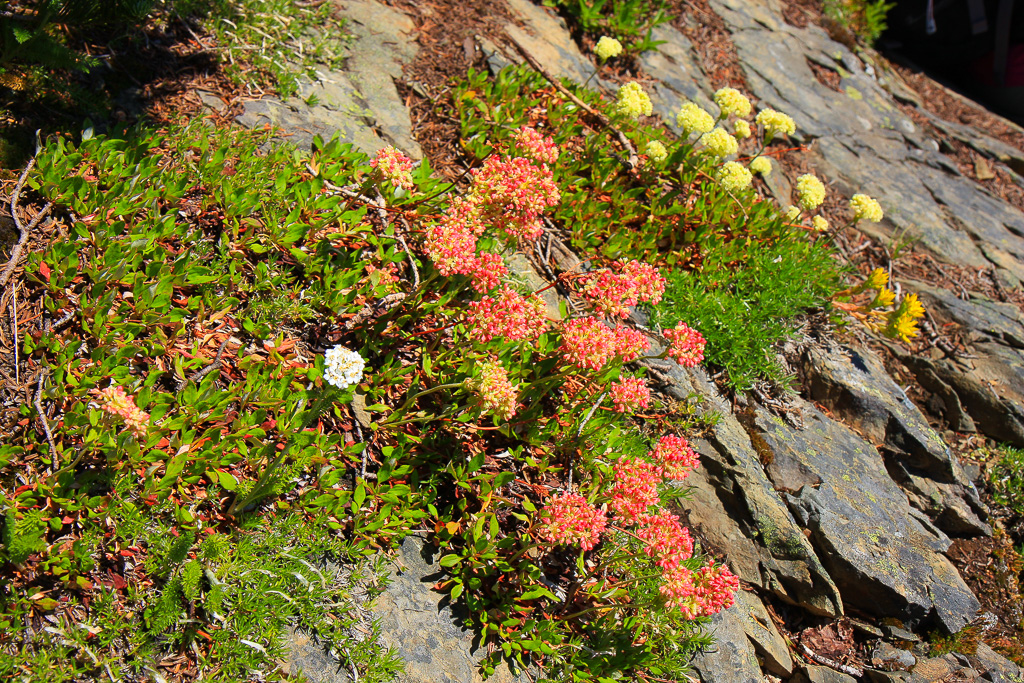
(343, 367)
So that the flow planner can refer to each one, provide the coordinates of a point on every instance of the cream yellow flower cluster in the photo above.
(732, 101)
(719, 143)
(693, 119)
(741, 129)
(607, 48)
(865, 208)
(792, 213)
(656, 151)
(734, 176)
(632, 101)
(775, 123)
(819, 223)
(761, 165)
(810, 191)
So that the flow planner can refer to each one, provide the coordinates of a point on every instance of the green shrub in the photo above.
(629, 21)
(1006, 477)
(866, 18)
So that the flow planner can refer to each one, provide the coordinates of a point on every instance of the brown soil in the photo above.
(711, 39)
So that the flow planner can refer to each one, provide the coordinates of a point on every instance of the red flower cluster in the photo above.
(498, 394)
(630, 343)
(667, 540)
(587, 343)
(674, 455)
(687, 345)
(635, 488)
(392, 165)
(569, 518)
(114, 401)
(630, 394)
(513, 192)
(536, 146)
(508, 315)
(702, 593)
(612, 292)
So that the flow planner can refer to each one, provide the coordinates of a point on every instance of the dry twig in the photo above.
(23, 230)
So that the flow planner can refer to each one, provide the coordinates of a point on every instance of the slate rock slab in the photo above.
(884, 556)
(854, 385)
(360, 102)
(732, 658)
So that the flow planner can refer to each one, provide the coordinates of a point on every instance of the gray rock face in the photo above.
(678, 76)
(885, 557)
(732, 658)
(360, 102)
(989, 386)
(854, 385)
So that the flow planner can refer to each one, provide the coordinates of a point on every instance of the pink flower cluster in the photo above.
(687, 345)
(630, 394)
(569, 518)
(451, 245)
(508, 315)
(635, 488)
(535, 145)
(702, 593)
(513, 192)
(612, 292)
(392, 165)
(114, 401)
(498, 394)
(675, 456)
(588, 343)
(667, 540)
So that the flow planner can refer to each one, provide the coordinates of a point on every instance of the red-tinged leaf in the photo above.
(163, 443)
(44, 270)
(119, 582)
(67, 520)
(127, 553)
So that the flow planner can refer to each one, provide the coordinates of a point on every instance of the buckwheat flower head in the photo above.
(451, 242)
(487, 271)
(114, 401)
(761, 165)
(693, 119)
(607, 48)
(741, 129)
(612, 292)
(632, 102)
(656, 151)
(512, 193)
(629, 343)
(719, 143)
(878, 278)
(667, 540)
(687, 345)
(903, 321)
(703, 593)
(645, 279)
(498, 393)
(587, 343)
(819, 223)
(791, 213)
(393, 166)
(635, 488)
(734, 176)
(775, 123)
(629, 395)
(732, 101)
(343, 367)
(535, 145)
(570, 519)
(865, 208)
(675, 456)
(508, 315)
(810, 192)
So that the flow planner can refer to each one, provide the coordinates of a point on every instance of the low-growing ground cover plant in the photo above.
(233, 343)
